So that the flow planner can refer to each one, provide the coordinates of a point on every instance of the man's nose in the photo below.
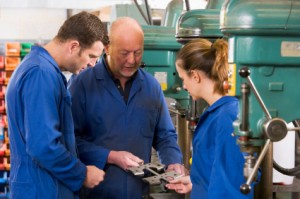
(92, 62)
(131, 58)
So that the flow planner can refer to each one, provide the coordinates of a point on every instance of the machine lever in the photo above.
(294, 129)
(177, 112)
(246, 188)
(245, 106)
(245, 72)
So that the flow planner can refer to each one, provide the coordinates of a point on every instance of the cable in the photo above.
(141, 11)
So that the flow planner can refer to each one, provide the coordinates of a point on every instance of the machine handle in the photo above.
(246, 188)
(294, 129)
(245, 107)
(245, 72)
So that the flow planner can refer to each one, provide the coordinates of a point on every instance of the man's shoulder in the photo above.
(86, 73)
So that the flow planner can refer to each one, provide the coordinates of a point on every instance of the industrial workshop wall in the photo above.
(30, 23)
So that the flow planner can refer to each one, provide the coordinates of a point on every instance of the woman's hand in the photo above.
(180, 185)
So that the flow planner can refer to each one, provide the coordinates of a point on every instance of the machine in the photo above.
(160, 48)
(200, 23)
(264, 57)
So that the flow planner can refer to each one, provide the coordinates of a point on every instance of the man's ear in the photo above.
(73, 46)
(106, 49)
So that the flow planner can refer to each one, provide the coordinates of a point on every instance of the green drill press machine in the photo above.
(264, 57)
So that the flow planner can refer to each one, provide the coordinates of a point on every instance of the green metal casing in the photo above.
(160, 48)
(265, 37)
(201, 23)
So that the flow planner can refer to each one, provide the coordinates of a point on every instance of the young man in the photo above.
(44, 163)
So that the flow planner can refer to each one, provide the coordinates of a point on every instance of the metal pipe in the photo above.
(187, 5)
(148, 12)
(259, 160)
(184, 139)
(264, 189)
(141, 11)
(245, 107)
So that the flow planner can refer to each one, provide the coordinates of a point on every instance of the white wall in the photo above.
(30, 23)
(39, 20)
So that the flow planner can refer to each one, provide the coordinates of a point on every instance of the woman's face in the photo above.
(189, 82)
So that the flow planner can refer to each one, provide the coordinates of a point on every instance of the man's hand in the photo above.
(124, 159)
(181, 185)
(93, 176)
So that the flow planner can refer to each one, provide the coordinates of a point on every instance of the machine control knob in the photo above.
(276, 129)
(245, 188)
(244, 72)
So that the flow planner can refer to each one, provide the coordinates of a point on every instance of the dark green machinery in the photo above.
(201, 23)
(160, 48)
(194, 24)
(264, 56)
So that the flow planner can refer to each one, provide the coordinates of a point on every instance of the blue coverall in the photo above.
(44, 164)
(104, 122)
(217, 166)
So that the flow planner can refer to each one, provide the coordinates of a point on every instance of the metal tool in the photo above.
(155, 169)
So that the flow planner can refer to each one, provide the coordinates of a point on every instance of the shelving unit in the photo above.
(11, 54)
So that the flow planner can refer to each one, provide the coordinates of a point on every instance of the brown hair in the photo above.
(210, 58)
(84, 27)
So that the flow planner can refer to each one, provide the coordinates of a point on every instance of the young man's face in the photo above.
(86, 57)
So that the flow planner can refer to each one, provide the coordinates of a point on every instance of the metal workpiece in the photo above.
(154, 169)
(168, 196)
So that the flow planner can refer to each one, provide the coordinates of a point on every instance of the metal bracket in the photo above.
(157, 178)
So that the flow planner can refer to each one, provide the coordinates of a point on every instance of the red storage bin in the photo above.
(2, 62)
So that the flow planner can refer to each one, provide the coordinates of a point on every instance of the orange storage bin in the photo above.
(7, 76)
(12, 49)
(11, 63)
(6, 138)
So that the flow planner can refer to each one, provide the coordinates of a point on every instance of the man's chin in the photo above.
(128, 74)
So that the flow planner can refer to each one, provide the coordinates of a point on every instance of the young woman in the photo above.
(217, 166)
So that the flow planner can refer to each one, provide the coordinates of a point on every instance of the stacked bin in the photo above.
(11, 54)
(11, 58)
